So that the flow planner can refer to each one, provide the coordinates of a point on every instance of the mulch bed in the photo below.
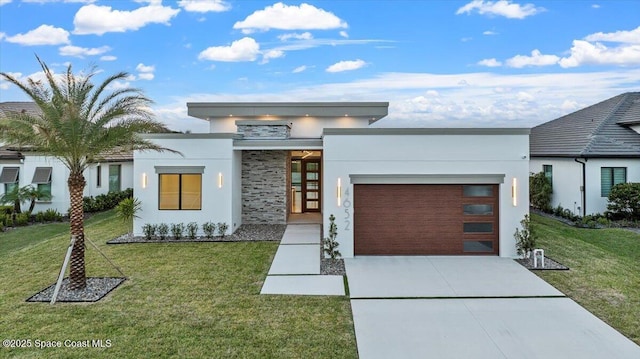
(96, 289)
(549, 264)
(330, 266)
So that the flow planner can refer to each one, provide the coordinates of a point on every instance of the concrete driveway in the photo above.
(470, 307)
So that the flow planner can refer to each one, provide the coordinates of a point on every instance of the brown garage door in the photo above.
(425, 219)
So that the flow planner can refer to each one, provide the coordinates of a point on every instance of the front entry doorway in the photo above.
(306, 181)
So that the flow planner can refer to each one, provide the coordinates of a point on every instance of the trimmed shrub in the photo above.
(177, 230)
(149, 231)
(192, 230)
(222, 229)
(52, 215)
(209, 229)
(22, 219)
(163, 230)
(104, 202)
(540, 192)
(624, 201)
(525, 238)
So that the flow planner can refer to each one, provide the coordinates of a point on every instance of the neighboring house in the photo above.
(587, 152)
(21, 167)
(392, 191)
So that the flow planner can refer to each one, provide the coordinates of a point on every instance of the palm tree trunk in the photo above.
(77, 274)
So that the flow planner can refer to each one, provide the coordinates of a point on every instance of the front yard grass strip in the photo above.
(191, 301)
(605, 270)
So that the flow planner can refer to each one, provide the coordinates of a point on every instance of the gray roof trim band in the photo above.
(425, 131)
(179, 169)
(427, 178)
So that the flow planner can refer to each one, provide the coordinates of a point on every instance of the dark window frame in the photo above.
(604, 191)
(180, 190)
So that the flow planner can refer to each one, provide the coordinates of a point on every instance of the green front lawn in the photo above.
(605, 270)
(181, 300)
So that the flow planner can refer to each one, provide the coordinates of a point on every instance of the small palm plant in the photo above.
(127, 210)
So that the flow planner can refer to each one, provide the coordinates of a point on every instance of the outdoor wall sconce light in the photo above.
(339, 191)
(219, 179)
(514, 191)
(144, 180)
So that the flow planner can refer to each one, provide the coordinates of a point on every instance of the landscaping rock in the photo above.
(95, 290)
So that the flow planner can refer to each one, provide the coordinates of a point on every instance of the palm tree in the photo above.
(78, 122)
(24, 194)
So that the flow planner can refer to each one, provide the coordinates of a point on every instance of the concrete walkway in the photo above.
(470, 307)
(296, 266)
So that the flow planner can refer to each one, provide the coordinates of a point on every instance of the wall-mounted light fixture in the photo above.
(339, 192)
(219, 179)
(144, 180)
(514, 191)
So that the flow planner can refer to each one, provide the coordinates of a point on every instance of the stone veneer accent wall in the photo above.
(264, 187)
(264, 130)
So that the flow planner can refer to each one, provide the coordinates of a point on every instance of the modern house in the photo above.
(22, 166)
(393, 191)
(587, 152)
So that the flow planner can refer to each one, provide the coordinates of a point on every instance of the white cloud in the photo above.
(42, 35)
(466, 39)
(118, 85)
(500, 8)
(489, 32)
(145, 72)
(346, 66)
(144, 68)
(108, 58)
(204, 5)
(536, 59)
(490, 62)
(524, 96)
(626, 37)
(271, 54)
(586, 53)
(146, 76)
(2, 36)
(52, 1)
(98, 20)
(284, 17)
(81, 52)
(344, 34)
(245, 49)
(296, 36)
(299, 69)
(595, 6)
(4, 2)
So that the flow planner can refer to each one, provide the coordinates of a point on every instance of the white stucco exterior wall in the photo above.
(214, 153)
(567, 180)
(424, 151)
(301, 127)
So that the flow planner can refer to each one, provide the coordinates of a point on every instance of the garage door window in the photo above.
(478, 209)
(477, 246)
(476, 227)
(478, 191)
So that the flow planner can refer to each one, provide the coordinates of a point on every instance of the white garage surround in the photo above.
(426, 156)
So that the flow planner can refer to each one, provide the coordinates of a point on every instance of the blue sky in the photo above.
(439, 63)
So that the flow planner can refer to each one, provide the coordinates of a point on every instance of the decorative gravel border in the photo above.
(549, 264)
(246, 232)
(96, 289)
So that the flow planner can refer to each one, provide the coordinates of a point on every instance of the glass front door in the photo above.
(311, 185)
(306, 181)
